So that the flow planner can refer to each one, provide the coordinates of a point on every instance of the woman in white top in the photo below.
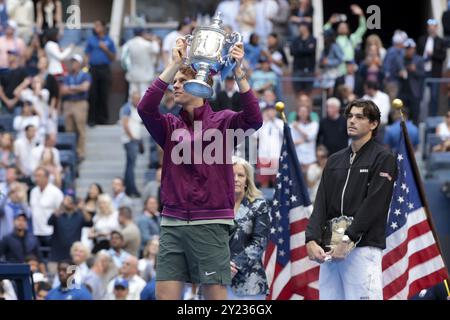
(54, 53)
(26, 118)
(443, 131)
(105, 221)
(304, 134)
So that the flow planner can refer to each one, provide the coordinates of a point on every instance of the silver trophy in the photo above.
(207, 54)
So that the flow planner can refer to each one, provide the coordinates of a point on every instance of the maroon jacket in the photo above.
(196, 191)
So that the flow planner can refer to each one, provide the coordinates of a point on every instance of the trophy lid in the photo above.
(217, 20)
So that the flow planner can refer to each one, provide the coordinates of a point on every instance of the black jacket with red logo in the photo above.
(361, 190)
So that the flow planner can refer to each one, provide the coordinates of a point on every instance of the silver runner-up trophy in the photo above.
(208, 54)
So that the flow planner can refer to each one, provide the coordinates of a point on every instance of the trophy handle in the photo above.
(233, 38)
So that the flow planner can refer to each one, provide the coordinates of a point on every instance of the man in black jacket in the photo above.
(433, 50)
(351, 209)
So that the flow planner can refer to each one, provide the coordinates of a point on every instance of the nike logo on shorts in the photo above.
(209, 273)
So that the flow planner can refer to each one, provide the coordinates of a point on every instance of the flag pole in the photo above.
(280, 108)
(398, 104)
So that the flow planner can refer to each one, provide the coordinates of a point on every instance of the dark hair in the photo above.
(253, 38)
(43, 285)
(65, 261)
(188, 71)
(51, 35)
(126, 211)
(370, 84)
(28, 127)
(116, 232)
(370, 110)
(99, 187)
(31, 257)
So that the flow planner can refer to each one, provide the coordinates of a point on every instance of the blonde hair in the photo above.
(79, 245)
(251, 192)
(106, 198)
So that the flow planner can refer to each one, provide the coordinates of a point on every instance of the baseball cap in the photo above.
(121, 283)
(399, 37)
(77, 57)
(432, 22)
(409, 43)
(70, 193)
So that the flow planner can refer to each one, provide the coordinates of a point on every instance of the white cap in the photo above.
(12, 24)
(77, 57)
(399, 37)
(409, 43)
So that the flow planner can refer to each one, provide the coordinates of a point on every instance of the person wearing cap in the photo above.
(139, 56)
(100, 53)
(434, 52)
(10, 42)
(67, 290)
(121, 289)
(67, 221)
(20, 243)
(412, 80)
(75, 93)
(393, 64)
(351, 258)
(197, 198)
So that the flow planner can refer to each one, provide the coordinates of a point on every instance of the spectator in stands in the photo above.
(252, 51)
(75, 93)
(149, 222)
(3, 17)
(346, 41)
(434, 51)
(27, 117)
(249, 239)
(95, 278)
(265, 10)
(246, 19)
(393, 131)
(350, 79)
(330, 59)
(393, 65)
(116, 251)
(105, 221)
(139, 56)
(132, 130)
(11, 204)
(374, 40)
(120, 198)
(303, 50)
(50, 82)
(263, 78)
(381, 99)
(304, 134)
(184, 28)
(91, 199)
(270, 138)
(20, 243)
(66, 291)
(302, 13)
(23, 149)
(9, 81)
(153, 188)
(37, 152)
(228, 98)
(22, 12)
(443, 131)
(411, 88)
(55, 54)
(45, 199)
(303, 100)
(120, 290)
(280, 20)
(10, 177)
(371, 69)
(100, 52)
(67, 223)
(7, 156)
(10, 42)
(333, 129)
(147, 265)
(42, 290)
(32, 54)
(314, 172)
(128, 272)
(345, 95)
(49, 14)
(48, 162)
(130, 232)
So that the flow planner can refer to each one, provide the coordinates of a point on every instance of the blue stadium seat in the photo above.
(432, 140)
(6, 122)
(66, 141)
(61, 124)
(431, 123)
(439, 161)
(68, 159)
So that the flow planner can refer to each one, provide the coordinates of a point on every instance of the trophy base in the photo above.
(198, 88)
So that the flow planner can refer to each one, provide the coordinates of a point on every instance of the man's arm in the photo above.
(376, 204)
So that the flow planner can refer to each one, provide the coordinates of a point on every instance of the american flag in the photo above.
(290, 273)
(411, 260)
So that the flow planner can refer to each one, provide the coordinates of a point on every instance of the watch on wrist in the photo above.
(242, 76)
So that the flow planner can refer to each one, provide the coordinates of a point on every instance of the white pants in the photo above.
(357, 277)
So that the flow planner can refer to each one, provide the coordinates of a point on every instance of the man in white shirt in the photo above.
(270, 139)
(129, 272)
(23, 148)
(380, 98)
(139, 57)
(184, 28)
(45, 199)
